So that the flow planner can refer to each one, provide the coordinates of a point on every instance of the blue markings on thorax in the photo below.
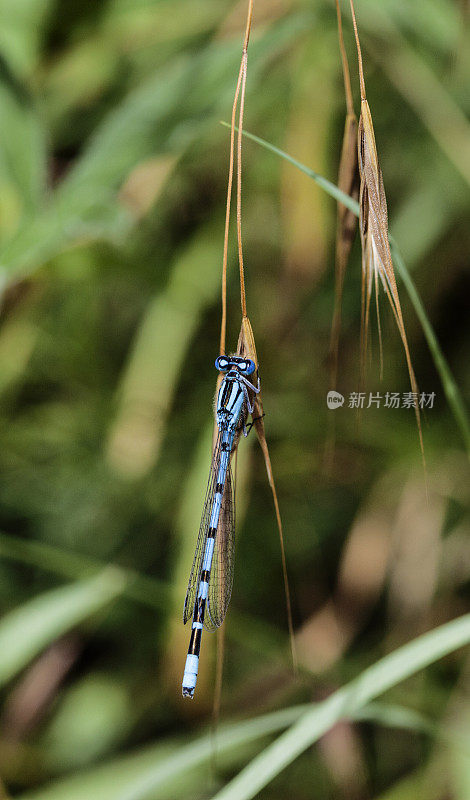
(229, 403)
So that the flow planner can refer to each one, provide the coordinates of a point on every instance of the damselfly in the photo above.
(210, 581)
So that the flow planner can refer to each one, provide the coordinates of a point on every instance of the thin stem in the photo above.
(239, 157)
(240, 83)
(239, 187)
(290, 623)
(223, 324)
(249, 20)
(344, 59)
(359, 53)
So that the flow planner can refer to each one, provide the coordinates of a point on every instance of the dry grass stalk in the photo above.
(376, 257)
(347, 220)
(239, 93)
(246, 347)
(348, 182)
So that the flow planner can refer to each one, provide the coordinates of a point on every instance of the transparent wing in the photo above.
(195, 574)
(221, 580)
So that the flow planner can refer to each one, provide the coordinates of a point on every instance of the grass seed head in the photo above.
(377, 264)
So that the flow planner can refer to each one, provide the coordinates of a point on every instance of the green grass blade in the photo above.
(158, 765)
(27, 630)
(375, 680)
(142, 589)
(21, 32)
(23, 157)
(164, 115)
(451, 390)
(329, 187)
(161, 768)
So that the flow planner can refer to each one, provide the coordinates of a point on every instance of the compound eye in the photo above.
(248, 367)
(222, 363)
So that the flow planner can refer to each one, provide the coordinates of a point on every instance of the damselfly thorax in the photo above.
(235, 399)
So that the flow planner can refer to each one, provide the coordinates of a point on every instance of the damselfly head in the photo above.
(244, 365)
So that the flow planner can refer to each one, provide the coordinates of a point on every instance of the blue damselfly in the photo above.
(210, 581)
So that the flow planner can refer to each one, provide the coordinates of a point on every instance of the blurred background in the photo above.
(113, 169)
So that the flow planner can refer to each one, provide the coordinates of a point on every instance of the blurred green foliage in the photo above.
(113, 169)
